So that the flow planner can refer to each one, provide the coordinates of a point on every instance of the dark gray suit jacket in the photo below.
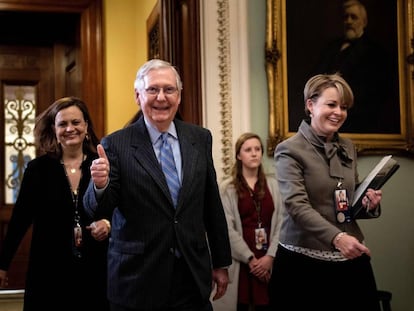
(146, 229)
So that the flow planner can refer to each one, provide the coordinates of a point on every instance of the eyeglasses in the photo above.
(168, 90)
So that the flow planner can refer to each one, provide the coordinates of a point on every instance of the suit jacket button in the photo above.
(171, 250)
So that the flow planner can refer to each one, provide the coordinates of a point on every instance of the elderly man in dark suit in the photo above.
(165, 251)
(368, 68)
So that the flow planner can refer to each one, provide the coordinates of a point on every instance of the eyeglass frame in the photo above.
(167, 90)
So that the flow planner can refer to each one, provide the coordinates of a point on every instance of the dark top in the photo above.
(55, 277)
(251, 289)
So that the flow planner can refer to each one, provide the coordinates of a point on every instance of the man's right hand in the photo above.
(100, 169)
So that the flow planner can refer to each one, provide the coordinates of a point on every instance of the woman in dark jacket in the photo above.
(67, 263)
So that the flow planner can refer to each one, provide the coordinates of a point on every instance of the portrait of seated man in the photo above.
(369, 69)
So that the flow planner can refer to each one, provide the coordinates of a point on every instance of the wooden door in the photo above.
(20, 67)
(173, 30)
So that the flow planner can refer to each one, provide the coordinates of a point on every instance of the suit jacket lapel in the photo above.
(143, 152)
(189, 156)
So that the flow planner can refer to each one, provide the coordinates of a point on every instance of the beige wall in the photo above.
(125, 51)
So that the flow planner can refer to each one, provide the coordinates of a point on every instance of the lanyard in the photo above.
(77, 229)
(257, 206)
(259, 232)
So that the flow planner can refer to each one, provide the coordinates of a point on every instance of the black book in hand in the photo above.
(375, 180)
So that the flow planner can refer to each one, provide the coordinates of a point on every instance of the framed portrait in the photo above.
(304, 38)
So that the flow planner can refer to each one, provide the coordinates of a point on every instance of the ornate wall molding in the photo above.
(225, 85)
(226, 77)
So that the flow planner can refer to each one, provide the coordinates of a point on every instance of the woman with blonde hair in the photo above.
(322, 259)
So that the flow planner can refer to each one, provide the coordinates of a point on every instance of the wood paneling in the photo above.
(89, 42)
(177, 24)
(64, 62)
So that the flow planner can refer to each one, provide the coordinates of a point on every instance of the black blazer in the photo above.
(146, 229)
(45, 203)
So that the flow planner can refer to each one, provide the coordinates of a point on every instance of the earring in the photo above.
(87, 136)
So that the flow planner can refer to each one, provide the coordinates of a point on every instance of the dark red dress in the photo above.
(251, 289)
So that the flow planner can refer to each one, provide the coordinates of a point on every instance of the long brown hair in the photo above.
(239, 181)
(45, 137)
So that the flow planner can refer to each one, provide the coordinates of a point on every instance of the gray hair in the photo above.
(154, 64)
(362, 9)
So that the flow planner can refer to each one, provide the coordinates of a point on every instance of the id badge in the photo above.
(342, 208)
(77, 230)
(260, 238)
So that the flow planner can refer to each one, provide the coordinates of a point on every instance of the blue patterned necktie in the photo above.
(168, 167)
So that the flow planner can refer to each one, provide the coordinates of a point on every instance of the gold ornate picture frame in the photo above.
(282, 78)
